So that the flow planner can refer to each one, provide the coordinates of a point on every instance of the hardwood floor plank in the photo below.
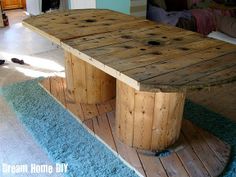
(89, 110)
(89, 124)
(173, 166)
(190, 160)
(126, 152)
(222, 150)
(152, 166)
(202, 150)
(104, 107)
(103, 130)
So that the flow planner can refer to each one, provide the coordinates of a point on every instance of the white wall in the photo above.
(82, 4)
(34, 7)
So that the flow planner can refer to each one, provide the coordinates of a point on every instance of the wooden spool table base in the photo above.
(148, 120)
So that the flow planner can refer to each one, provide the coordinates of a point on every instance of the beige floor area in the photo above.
(42, 58)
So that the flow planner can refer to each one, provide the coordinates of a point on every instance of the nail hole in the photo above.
(90, 20)
(126, 37)
(178, 39)
(184, 48)
(128, 47)
(156, 53)
(154, 43)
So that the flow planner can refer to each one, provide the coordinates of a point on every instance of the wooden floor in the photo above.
(196, 154)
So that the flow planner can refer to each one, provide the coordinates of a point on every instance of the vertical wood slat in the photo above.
(148, 120)
(93, 83)
(125, 113)
(68, 71)
(143, 119)
(88, 84)
(57, 89)
(168, 113)
(79, 79)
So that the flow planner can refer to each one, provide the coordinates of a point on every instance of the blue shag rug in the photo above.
(62, 137)
(66, 141)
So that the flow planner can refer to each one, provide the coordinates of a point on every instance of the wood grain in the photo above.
(145, 55)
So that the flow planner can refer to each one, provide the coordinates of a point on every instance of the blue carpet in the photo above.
(60, 135)
(48, 122)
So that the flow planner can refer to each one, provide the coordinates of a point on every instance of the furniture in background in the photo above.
(3, 17)
(13, 4)
(205, 15)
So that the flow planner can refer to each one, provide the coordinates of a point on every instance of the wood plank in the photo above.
(184, 76)
(152, 165)
(103, 130)
(126, 152)
(221, 77)
(73, 106)
(200, 147)
(173, 166)
(125, 113)
(121, 51)
(190, 160)
(46, 84)
(89, 110)
(221, 149)
(89, 124)
(171, 60)
(133, 34)
(168, 113)
(175, 63)
(143, 119)
(85, 19)
(104, 107)
(79, 79)
(69, 71)
(93, 84)
(113, 104)
(57, 89)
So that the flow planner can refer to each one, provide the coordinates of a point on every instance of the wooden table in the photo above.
(147, 66)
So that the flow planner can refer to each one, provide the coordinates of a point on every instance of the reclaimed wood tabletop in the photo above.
(145, 55)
